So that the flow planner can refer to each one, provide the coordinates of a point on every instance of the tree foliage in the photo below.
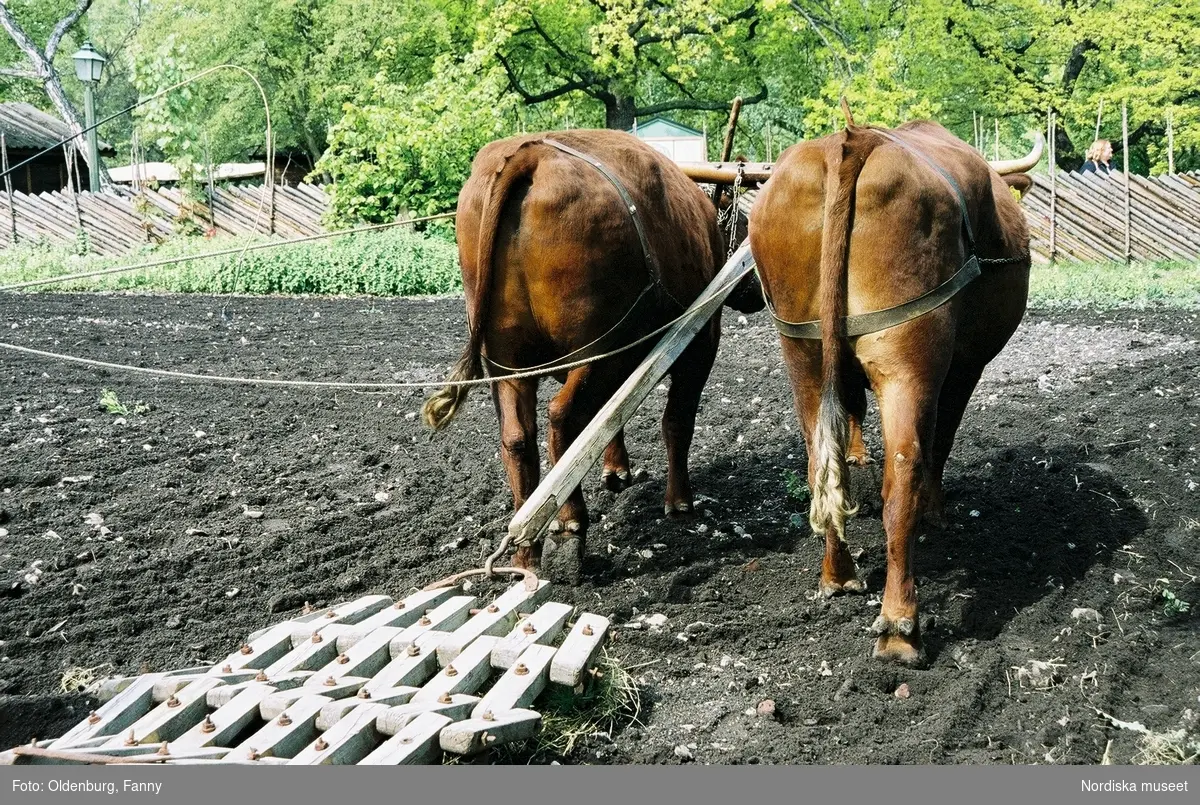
(390, 100)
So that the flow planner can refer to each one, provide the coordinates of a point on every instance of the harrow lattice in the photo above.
(371, 681)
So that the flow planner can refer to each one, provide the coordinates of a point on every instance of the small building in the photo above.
(28, 130)
(166, 173)
(679, 142)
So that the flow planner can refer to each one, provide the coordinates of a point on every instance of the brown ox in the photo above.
(855, 223)
(551, 262)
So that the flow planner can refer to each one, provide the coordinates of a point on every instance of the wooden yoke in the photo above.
(724, 173)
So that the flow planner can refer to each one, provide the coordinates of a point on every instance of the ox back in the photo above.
(865, 221)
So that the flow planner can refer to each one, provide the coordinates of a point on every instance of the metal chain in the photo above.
(729, 215)
(1003, 260)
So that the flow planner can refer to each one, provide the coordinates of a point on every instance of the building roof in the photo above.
(165, 172)
(663, 127)
(28, 128)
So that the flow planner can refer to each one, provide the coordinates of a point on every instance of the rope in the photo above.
(585, 347)
(334, 384)
(221, 253)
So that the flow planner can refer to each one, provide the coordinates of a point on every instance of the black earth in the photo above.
(1059, 591)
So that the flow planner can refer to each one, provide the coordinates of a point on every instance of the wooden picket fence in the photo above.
(120, 220)
(1089, 217)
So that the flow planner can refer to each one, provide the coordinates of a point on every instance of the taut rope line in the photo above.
(335, 384)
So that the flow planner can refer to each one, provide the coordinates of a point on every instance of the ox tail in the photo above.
(831, 499)
(441, 408)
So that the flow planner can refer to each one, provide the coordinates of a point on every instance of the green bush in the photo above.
(395, 262)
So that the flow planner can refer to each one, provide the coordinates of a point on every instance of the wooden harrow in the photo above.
(369, 682)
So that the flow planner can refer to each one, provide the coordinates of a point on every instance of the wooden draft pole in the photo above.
(1125, 157)
(735, 109)
(1051, 126)
(589, 445)
(12, 209)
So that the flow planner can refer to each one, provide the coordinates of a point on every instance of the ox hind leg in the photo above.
(516, 408)
(616, 475)
(585, 391)
(689, 374)
(803, 359)
(856, 410)
(956, 392)
(908, 404)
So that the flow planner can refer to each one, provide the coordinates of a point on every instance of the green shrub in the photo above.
(395, 262)
(1172, 284)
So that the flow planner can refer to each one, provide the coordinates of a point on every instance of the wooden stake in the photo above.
(1125, 156)
(212, 193)
(996, 145)
(735, 109)
(1051, 125)
(12, 210)
(270, 178)
(1170, 141)
(1099, 116)
(72, 181)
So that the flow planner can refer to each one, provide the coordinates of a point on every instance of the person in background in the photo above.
(1099, 159)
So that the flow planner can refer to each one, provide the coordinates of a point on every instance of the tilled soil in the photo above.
(1072, 495)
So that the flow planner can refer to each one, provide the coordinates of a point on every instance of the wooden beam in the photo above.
(589, 446)
(753, 173)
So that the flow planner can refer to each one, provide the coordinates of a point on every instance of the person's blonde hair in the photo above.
(1098, 150)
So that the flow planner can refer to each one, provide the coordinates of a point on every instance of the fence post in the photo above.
(1170, 141)
(1125, 155)
(996, 144)
(12, 209)
(212, 191)
(1051, 130)
(269, 175)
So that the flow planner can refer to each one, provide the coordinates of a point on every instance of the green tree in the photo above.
(633, 57)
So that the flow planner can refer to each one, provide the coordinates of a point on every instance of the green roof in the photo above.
(664, 127)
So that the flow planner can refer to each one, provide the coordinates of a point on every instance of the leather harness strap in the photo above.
(600, 344)
(626, 199)
(875, 321)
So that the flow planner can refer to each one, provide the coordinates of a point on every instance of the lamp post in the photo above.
(89, 64)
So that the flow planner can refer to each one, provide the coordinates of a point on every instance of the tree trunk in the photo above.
(618, 112)
(44, 72)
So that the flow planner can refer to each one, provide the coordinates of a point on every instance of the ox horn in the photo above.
(1025, 163)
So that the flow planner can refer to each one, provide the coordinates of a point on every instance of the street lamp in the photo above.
(89, 64)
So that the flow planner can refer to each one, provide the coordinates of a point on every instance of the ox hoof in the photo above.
(859, 461)
(562, 559)
(616, 480)
(570, 527)
(900, 649)
(829, 589)
(678, 509)
(899, 640)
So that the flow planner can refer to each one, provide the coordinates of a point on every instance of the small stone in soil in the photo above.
(766, 708)
(683, 753)
(903, 692)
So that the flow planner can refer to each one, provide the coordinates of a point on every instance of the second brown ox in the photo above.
(862, 221)
(554, 267)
